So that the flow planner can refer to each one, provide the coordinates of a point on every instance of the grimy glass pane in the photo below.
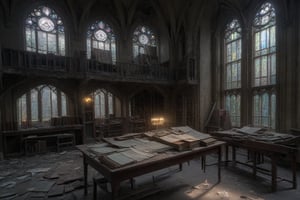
(110, 104)
(29, 37)
(52, 46)
(273, 111)
(61, 43)
(234, 72)
(268, 38)
(95, 44)
(265, 110)
(102, 105)
(272, 36)
(229, 76)
(63, 104)
(42, 42)
(34, 105)
(233, 51)
(54, 112)
(264, 66)
(22, 108)
(227, 103)
(233, 105)
(238, 105)
(257, 68)
(228, 53)
(97, 106)
(239, 49)
(19, 110)
(135, 51)
(257, 106)
(263, 40)
(113, 53)
(46, 104)
(256, 112)
(101, 45)
(257, 41)
(107, 46)
(88, 48)
(239, 73)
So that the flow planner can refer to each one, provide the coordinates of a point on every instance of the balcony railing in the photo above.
(28, 63)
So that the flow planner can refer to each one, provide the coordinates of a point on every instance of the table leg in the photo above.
(115, 187)
(254, 163)
(274, 173)
(132, 183)
(294, 170)
(219, 164)
(203, 163)
(233, 156)
(85, 169)
(226, 154)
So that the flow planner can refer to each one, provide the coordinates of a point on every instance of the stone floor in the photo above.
(59, 176)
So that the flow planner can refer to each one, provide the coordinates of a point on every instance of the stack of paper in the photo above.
(249, 130)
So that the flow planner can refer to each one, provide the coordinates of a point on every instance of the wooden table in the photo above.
(160, 161)
(273, 150)
(14, 138)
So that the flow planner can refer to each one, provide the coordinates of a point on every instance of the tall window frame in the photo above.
(144, 45)
(264, 66)
(37, 106)
(101, 43)
(232, 71)
(104, 104)
(44, 31)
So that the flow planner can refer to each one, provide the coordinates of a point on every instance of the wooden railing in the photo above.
(24, 62)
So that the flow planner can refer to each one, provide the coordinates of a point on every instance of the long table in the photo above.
(258, 146)
(160, 161)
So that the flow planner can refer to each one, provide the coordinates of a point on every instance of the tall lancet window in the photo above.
(101, 43)
(44, 31)
(144, 44)
(264, 67)
(232, 70)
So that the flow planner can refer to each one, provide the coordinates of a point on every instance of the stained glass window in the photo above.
(104, 103)
(264, 110)
(44, 31)
(42, 103)
(232, 70)
(232, 105)
(144, 43)
(233, 42)
(265, 46)
(101, 43)
(264, 67)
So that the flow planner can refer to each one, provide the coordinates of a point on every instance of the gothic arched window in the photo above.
(101, 43)
(232, 70)
(44, 31)
(105, 104)
(264, 67)
(39, 105)
(144, 44)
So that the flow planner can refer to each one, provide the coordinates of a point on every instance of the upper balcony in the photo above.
(49, 65)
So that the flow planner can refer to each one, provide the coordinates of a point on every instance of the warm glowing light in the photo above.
(87, 99)
(156, 121)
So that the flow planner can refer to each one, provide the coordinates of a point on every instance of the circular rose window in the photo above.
(46, 24)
